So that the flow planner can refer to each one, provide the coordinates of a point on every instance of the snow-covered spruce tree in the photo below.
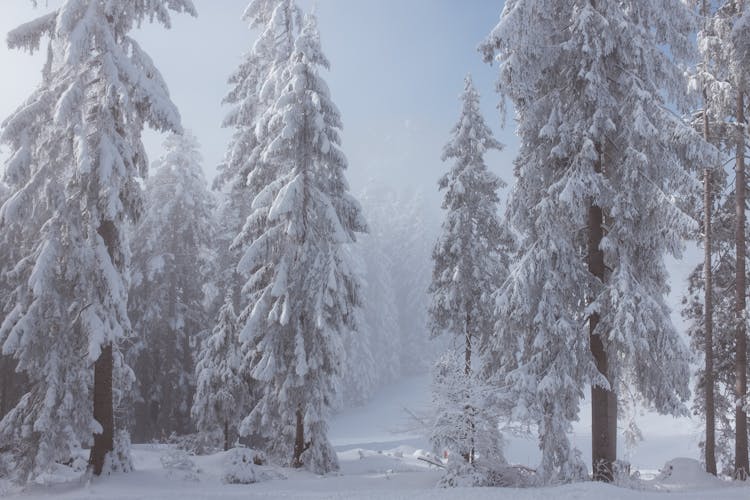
(169, 248)
(75, 155)
(721, 78)
(222, 390)
(602, 159)
(302, 291)
(470, 262)
(278, 22)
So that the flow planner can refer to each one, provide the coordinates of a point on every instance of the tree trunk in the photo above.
(469, 455)
(299, 440)
(603, 402)
(226, 435)
(103, 408)
(708, 381)
(740, 452)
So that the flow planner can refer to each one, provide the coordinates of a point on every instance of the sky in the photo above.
(397, 69)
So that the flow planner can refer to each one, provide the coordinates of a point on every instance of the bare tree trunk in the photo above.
(226, 435)
(740, 452)
(103, 407)
(708, 380)
(103, 410)
(299, 440)
(468, 456)
(603, 402)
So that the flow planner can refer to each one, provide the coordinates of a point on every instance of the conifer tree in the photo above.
(602, 159)
(166, 305)
(222, 390)
(278, 22)
(723, 314)
(470, 262)
(75, 155)
(721, 78)
(302, 291)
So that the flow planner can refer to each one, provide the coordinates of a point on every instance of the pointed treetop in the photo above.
(308, 43)
(471, 136)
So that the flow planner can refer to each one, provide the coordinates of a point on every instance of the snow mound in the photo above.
(685, 473)
(179, 464)
(247, 466)
(177, 460)
(120, 459)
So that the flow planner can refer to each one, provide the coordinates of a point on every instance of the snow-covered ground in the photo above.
(379, 446)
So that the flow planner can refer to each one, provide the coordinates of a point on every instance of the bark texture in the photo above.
(103, 410)
(603, 401)
(740, 452)
(103, 404)
(710, 447)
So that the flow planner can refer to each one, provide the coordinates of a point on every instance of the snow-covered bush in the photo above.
(6, 473)
(246, 466)
(461, 474)
(199, 443)
(625, 478)
(178, 462)
(119, 459)
(465, 421)
(302, 291)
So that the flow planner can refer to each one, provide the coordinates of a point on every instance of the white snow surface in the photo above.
(378, 448)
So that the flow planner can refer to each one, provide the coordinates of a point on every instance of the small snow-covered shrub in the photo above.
(246, 466)
(461, 474)
(175, 459)
(119, 459)
(7, 467)
(200, 443)
(7, 475)
(178, 463)
(624, 478)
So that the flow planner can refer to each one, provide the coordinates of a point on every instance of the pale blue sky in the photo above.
(397, 67)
